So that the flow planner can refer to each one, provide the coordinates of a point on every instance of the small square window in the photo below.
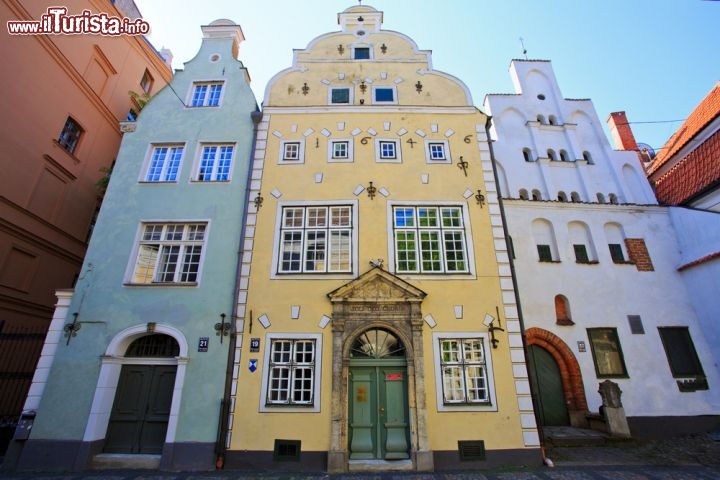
(361, 53)
(70, 135)
(437, 152)
(616, 253)
(581, 255)
(292, 152)
(340, 150)
(146, 82)
(340, 95)
(384, 94)
(544, 253)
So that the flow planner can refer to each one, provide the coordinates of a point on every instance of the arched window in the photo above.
(564, 156)
(536, 195)
(544, 236)
(562, 311)
(581, 240)
(615, 236)
(552, 119)
(523, 194)
(377, 343)
(587, 157)
(541, 119)
(613, 199)
(551, 154)
(575, 197)
(527, 154)
(562, 197)
(600, 197)
(157, 345)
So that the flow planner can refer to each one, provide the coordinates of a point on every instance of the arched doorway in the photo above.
(548, 346)
(551, 406)
(141, 410)
(378, 403)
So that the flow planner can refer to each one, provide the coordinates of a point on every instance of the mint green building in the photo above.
(133, 372)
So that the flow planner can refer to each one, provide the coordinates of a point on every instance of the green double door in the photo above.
(140, 413)
(378, 410)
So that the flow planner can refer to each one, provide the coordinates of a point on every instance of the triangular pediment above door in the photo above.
(377, 285)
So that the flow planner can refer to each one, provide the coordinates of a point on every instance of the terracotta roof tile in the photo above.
(694, 174)
(699, 261)
(706, 111)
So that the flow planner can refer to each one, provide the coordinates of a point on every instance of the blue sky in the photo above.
(654, 59)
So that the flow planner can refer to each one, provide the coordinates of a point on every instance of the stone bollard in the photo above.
(613, 410)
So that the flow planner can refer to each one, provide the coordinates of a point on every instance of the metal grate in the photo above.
(154, 346)
(286, 450)
(471, 450)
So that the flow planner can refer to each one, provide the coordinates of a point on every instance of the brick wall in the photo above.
(639, 255)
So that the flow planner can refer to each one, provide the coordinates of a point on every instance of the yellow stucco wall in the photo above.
(442, 112)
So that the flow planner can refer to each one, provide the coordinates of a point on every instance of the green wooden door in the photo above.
(140, 413)
(553, 411)
(379, 427)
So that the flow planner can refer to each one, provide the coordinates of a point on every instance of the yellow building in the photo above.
(375, 272)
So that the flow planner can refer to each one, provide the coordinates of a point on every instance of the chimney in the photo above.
(621, 132)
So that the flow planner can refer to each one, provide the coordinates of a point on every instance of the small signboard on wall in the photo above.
(203, 343)
(254, 345)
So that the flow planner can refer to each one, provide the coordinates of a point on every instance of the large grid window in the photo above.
(164, 163)
(206, 94)
(607, 354)
(169, 253)
(316, 239)
(429, 240)
(215, 163)
(291, 372)
(464, 371)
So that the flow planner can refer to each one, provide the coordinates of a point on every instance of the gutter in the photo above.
(531, 372)
(224, 418)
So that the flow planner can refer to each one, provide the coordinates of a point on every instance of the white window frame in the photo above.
(469, 273)
(378, 150)
(214, 170)
(394, 101)
(206, 100)
(165, 168)
(301, 152)
(330, 96)
(331, 150)
(429, 151)
(317, 374)
(276, 273)
(184, 244)
(442, 406)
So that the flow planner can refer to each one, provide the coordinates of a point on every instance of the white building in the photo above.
(596, 263)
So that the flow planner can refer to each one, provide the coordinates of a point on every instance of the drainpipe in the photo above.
(223, 421)
(531, 373)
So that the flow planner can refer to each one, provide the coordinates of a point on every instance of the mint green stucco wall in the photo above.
(106, 305)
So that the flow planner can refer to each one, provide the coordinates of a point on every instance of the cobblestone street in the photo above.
(695, 457)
